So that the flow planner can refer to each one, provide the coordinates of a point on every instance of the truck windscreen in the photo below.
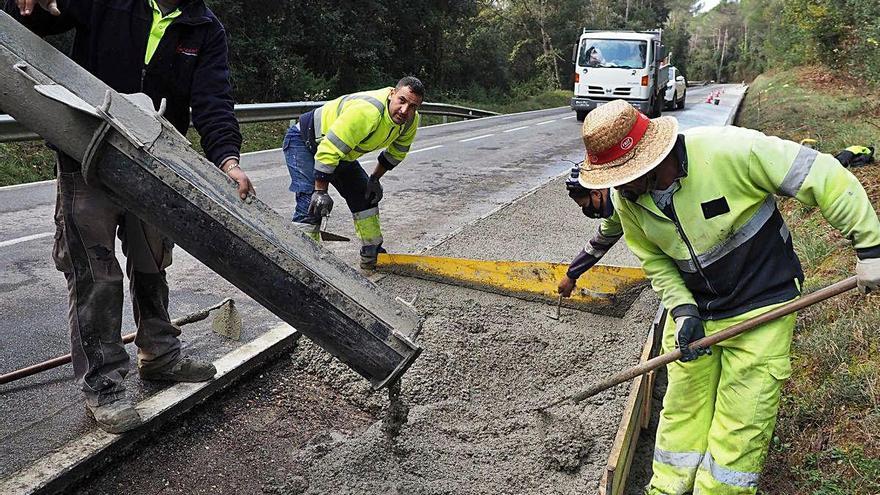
(621, 54)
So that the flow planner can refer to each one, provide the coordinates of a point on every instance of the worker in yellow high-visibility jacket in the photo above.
(323, 148)
(698, 210)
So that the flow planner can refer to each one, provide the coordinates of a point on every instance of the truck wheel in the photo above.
(681, 104)
(581, 115)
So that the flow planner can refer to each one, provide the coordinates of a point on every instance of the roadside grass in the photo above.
(32, 161)
(827, 438)
(812, 103)
(25, 162)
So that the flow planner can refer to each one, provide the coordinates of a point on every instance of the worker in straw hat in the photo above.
(699, 211)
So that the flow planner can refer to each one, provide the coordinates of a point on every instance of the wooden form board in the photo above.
(636, 415)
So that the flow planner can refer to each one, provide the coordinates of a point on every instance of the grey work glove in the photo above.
(321, 204)
(374, 191)
(868, 275)
(689, 329)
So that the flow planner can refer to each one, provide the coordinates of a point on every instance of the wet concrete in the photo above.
(397, 412)
(487, 359)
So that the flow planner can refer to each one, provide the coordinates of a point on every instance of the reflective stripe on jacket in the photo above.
(350, 126)
(728, 249)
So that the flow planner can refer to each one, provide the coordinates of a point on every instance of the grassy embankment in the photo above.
(32, 161)
(827, 439)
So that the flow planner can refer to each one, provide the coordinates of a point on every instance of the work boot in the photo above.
(182, 370)
(115, 417)
(369, 255)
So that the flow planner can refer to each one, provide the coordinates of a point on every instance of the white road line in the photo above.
(426, 149)
(517, 128)
(483, 119)
(25, 239)
(546, 122)
(475, 138)
(569, 117)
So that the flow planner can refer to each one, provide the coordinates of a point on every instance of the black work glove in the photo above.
(689, 328)
(321, 204)
(374, 191)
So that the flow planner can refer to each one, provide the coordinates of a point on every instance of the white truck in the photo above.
(626, 65)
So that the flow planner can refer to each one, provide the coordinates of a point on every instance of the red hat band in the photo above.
(625, 145)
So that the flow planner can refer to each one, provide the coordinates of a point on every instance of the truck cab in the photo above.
(626, 65)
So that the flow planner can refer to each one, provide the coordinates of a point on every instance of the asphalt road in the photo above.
(455, 174)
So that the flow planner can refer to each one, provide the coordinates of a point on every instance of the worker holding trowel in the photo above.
(698, 210)
(323, 148)
(171, 50)
(594, 203)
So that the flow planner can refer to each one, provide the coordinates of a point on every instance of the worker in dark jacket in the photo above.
(169, 49)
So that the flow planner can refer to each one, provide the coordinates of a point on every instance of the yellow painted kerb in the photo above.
(523, 277)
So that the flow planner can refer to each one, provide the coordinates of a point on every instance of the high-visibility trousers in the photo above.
(720, 410)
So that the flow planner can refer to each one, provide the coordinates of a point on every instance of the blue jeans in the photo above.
(350, 179)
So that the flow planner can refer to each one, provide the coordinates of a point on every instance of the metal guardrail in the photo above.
(11, 131)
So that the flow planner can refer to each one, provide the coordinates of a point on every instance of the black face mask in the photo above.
(605, 209)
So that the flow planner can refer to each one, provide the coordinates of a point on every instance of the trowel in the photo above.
(329, 236)
(556, 315)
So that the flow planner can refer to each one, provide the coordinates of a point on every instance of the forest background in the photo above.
(484, 50)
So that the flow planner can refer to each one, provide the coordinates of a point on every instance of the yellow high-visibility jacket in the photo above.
(726, 247)
(350, 126)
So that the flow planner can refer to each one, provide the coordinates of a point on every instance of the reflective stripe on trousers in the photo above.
(720, 410)
(723, 476)
(366, 224)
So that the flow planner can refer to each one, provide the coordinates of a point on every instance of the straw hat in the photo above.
(623, 144)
